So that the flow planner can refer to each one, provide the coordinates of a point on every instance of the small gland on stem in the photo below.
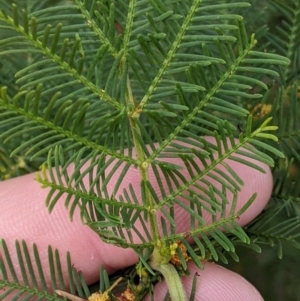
(145, 165)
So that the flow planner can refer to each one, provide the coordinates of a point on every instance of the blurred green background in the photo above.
(276, 279)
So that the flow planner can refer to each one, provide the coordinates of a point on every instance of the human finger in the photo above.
(213, 283)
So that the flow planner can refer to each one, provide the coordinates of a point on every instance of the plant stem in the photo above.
(158, 261)
(143, 164)
(174, 283)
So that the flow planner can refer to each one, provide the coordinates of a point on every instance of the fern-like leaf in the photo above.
(114, 89)
(29, 278)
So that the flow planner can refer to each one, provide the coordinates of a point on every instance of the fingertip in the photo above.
(25, 217)
(218, 283)
(214, 283)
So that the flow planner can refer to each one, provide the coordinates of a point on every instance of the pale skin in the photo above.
(23, 216)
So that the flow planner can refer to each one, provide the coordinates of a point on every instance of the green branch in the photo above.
(57, 59)
(169, 57)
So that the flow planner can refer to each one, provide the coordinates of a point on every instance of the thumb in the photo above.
(213, 283)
